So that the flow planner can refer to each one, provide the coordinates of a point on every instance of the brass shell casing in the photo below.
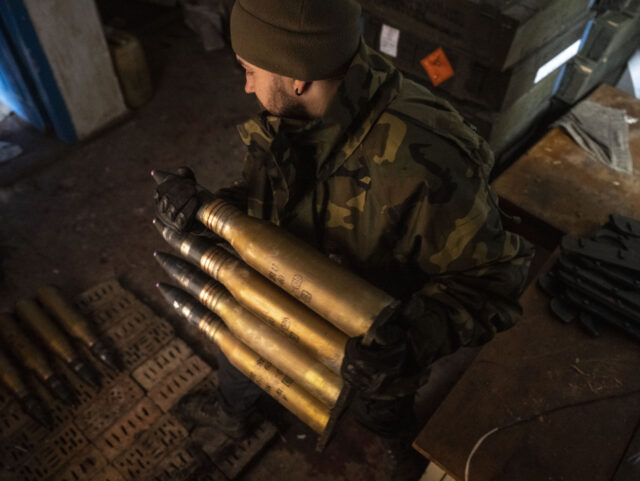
(29, 402)
(273, 345)
(347, 301)
(275, 306)
(278, 385)
(282, 388)
(11, 378)
(23, 348)
(50, 334)
(76, 325)
(267, 341)
(262, 297)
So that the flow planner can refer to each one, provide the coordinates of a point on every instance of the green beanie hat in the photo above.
(302, 39)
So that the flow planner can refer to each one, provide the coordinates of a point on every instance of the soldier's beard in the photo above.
(282, 104)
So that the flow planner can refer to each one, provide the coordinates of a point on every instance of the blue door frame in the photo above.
(27, 83)
(16, 90)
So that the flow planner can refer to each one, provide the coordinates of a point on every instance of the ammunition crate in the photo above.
(502, 129)
(608, 34)
(582, 75)
(474, 81)
(630, 7)
(498, 33)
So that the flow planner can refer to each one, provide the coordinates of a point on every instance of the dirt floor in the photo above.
(78, 215)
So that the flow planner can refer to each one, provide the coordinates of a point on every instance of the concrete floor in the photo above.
(78, 215)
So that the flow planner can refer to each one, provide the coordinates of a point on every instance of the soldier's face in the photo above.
(274, 93)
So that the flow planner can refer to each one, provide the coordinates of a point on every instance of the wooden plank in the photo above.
(558, 183)
(564, 404)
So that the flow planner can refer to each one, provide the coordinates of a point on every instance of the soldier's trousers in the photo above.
(238, 396)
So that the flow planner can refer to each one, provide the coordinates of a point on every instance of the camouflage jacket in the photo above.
(394, 184)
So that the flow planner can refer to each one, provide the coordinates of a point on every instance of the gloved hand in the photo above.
(370, 369)
(176, 200)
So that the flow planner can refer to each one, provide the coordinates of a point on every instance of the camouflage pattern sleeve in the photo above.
(393, 183)
(448, 224)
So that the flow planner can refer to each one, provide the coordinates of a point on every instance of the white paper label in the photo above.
(558, 61)
(389, 38)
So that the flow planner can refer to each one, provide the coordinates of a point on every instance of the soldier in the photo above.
(381, 175)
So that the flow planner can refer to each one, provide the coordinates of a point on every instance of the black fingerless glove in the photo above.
(177, 202)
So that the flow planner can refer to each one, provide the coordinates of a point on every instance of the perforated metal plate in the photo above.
(178, 465)
(60, 412)
(109, 474)
(53, 454)
(110, 406)
(167, 392)
(107, 375)
(161, 364)
(112, 312)
(85, 394)
(231, 458)
(12, 417)
(132, 322)
(147, 344)
(99, 295)
(15, 449)
(21, 435)
(123, 432)
(83, 467)
(150, 448)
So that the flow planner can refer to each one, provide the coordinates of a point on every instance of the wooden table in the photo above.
(557, 185)
(544, 401)
(565, 405)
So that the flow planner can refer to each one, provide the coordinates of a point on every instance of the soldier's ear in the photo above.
(300, 87)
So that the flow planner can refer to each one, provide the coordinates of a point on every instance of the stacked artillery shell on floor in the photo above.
(55, 340)
(51, 339)
(29, 355)
(289, 306)
(134, 427)
(77, 326)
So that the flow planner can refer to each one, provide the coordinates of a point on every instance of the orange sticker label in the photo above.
(437, 66)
